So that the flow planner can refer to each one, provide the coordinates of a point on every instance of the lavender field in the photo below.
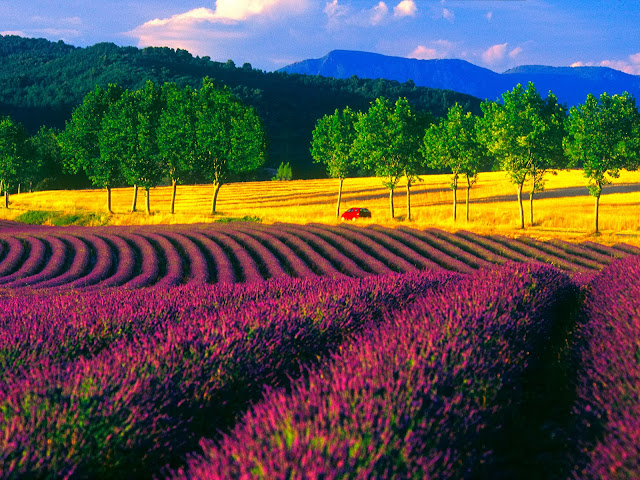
(285, 351)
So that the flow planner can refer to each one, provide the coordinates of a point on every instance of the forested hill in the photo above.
(41, 82)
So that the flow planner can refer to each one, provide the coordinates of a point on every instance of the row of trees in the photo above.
(525, 135)
(144, 137)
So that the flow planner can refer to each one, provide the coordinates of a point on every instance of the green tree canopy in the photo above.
(453, 145)
(229, 137)
(603, 138)
(14, 157)
(525, 134)
(332, 144)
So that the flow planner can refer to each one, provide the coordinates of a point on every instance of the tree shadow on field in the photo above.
(564, 192)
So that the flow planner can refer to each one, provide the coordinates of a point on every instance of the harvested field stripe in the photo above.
(343, 263)
(396, 255)
(124, 261)
(52, 268)
(195, 259)
(222, 270)
(358, 252)
(250, 271)
(496, 247)
(14, 257)
(294, 262)
(267, 259)
(33, 263)
(560, 253)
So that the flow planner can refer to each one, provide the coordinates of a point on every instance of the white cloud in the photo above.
(379, 13)
(489, 16)
(406, 8)
(448, 14)
(435, 49)
(495, 54)
(631, 66)
(424, 53)
(515, 52)
(18, 33)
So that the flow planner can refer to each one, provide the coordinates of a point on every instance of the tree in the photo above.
(387, 143)
(13, 154)
(525, 133)
(80, 140)
(603, 137)
(47, 155)
(284, 173)
(176, 134)
(229, 137)
(453, 145)
(332, 142)
(128, 136)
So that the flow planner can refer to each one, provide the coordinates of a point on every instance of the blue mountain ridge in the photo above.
(570, 84)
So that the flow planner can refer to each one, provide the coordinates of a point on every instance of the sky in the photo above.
(270, 34)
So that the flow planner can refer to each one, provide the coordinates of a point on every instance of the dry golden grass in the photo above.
(563, 210)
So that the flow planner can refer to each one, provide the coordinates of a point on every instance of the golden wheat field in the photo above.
(564, 210)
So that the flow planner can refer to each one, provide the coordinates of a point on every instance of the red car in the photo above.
(356, 212)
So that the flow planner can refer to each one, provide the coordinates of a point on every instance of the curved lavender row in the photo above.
(172, 259)
(345, 264)
(347, 245)
(13, 258)
(439, 257)
(125, 263)
(496, 247)
(580, 262)
(429, 235)
(628, 249)
(608, 375)
(581, 250)
(247, 264)
(427, 396)
(473, 248)
(34, 262)
(147, 258)
(103, 266)
(315, 259)
(149, 400)
(197, 262)
(267, 259)
(78, 267)
(535, 254)
(297, 265)
(605, 250)
(383, 247)
(223, 268)
(52, 268)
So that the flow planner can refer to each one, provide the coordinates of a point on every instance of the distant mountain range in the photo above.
(570, 84)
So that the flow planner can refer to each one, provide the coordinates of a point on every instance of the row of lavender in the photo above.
(439, 391)
(118, 383)
(89, 258)
(606, 349)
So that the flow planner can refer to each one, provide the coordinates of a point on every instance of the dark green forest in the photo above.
(42, 81)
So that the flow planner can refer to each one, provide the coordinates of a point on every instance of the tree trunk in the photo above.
(19, 188)
(455, 202)
(215, 198)
(339, 199)
(408, 199)
(30, 187)
(520, 185)
(597, 208)
(391, 203)
(468, 190)
(109, 200)
(531, 207)
(6, 197)
(135, 198)
(174, 186)
(147, 203)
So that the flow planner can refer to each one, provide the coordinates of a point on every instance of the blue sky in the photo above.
(269, 34)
